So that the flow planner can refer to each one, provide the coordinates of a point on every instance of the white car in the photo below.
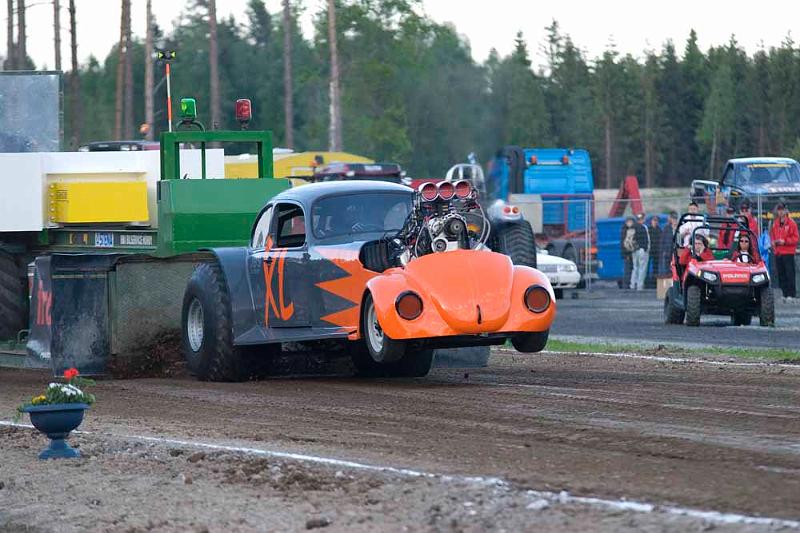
(562, 273)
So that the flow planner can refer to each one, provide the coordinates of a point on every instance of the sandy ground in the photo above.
(529, 443)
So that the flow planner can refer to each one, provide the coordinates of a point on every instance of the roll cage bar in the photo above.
(708, 223)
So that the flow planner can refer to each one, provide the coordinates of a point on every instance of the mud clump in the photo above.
(161, 357)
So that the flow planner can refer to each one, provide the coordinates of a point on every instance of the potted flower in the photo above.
(59, 411)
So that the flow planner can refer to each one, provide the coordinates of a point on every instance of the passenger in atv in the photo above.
(745, 251)
(701, 251)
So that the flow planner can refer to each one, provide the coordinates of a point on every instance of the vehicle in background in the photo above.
(297, 166)
(119, 146)
(717, 285)
(562, 273)
(389, 172)
(764, 180)
(560, 181)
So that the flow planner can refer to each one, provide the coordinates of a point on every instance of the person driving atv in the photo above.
(745, 251)
(700, 251)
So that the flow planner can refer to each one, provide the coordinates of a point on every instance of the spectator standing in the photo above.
(784, 244)
(640, 254)
(627, 242)
(728, 234)
(654, 232)
(690, 223)
(667, 243)
(752, 223)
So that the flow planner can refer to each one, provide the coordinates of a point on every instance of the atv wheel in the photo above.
(742, 318)
(13, 297)
(207, 331)
(693, 306)
(766, 310)
(530, 342)
(516, 241)
(672, 313)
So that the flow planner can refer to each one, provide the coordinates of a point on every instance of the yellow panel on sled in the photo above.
(81, 202)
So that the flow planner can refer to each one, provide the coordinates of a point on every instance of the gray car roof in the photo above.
(306, 194)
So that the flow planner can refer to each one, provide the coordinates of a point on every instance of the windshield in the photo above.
(350, 214)
(766, 173)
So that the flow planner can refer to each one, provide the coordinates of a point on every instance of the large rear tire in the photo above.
(516, 241)
(766, 310)
(693, 306)
(207, 332)
(530, 342)
(672, 313)
(13, 297)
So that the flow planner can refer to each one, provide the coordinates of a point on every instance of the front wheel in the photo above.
(378, 355)
(530, 342)
(693, 305)
(766, 310)
(672, 313)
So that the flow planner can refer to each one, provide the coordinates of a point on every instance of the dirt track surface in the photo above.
(687, 435)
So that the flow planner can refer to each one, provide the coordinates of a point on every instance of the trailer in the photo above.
(96, 247)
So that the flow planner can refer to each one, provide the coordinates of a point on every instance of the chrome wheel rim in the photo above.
(194, 325)
(374, 331)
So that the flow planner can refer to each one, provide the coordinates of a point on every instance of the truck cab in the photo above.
(750, 178)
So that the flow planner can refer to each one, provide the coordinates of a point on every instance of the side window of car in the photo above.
(290, 229)
(262, 229)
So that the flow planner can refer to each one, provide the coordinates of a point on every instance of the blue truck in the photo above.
(563, 179)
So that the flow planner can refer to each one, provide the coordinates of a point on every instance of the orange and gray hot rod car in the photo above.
(385, 272)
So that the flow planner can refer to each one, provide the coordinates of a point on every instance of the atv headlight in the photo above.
(709, 276)
(567, 268)
(759, 278)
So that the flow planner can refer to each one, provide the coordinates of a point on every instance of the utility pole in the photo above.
(75, 82)
(11, 53)
(335, 132)
(148, 74)
(129, 126)
(213, 59)
(57, 31)
(288, 97)
(120, 76)
(22, 47)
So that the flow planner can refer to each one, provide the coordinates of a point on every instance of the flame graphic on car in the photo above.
(350, 287)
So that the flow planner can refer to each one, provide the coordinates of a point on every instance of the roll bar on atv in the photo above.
(708, 222)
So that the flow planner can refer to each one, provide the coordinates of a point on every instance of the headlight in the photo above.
(567, 268)
(537, 299)
(759, 278)
(709, 276)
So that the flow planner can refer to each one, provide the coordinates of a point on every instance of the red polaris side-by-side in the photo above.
(716, 283)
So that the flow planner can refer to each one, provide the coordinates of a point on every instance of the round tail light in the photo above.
(537, 299)
(463, 189)
(428, 191)
(446, 190)
(408, 305)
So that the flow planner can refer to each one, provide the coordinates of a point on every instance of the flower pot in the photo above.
(56, 421)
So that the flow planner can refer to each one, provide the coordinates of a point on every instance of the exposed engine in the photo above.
(446, 216)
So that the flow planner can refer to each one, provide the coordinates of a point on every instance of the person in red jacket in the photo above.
(784, 244)
(746, 251)
(701, 251)
(728, 233)
(752, 223)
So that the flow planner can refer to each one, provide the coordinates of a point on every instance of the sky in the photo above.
(632, 25)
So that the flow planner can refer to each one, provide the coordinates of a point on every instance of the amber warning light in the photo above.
(244, 111)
